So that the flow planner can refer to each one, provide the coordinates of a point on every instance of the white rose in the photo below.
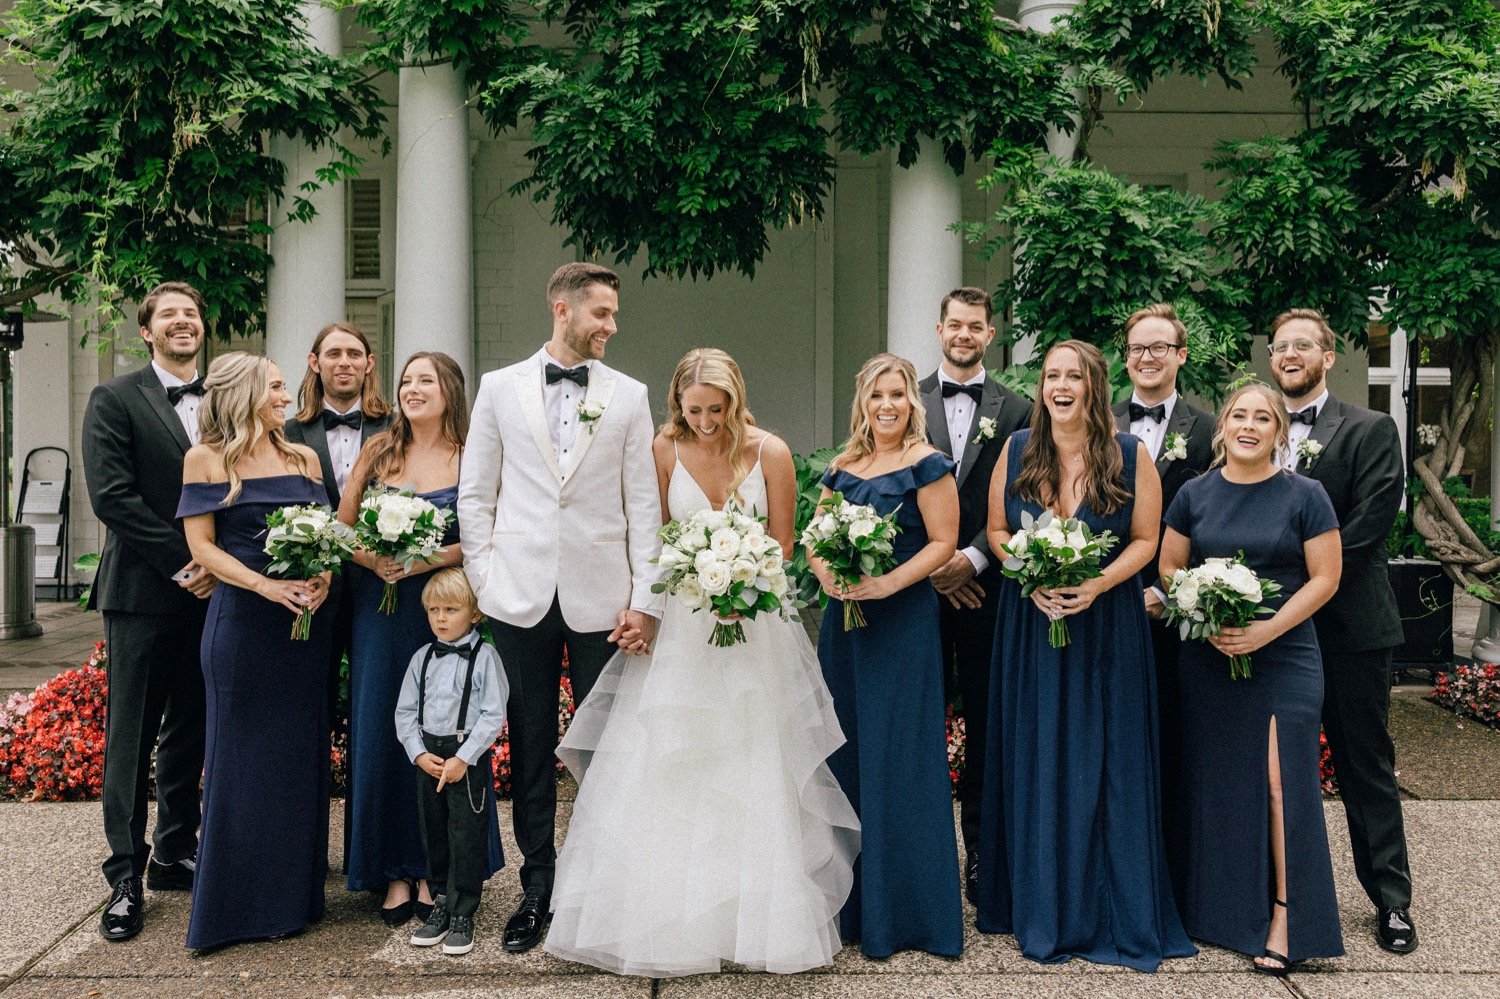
(757, 545)
(692, 595)
(715, 520)
(391, 525)
(1018, 542)
(770, 563)
(778, 583)
(742, 570)
(715, 579)
(1186, 594)
(725, 543)
(1077, 540)
(705, 560)
(1244, 582)
(826, 525)
(671, 557)
(861, 528)
(746, 525)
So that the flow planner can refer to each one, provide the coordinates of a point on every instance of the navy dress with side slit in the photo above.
(263, 850)
(1224, 837)
(887, 685)
(1071, 855)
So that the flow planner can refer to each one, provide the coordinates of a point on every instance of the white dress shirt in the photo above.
(959, 409)
(561, 399)
(1151, 433)
(343, 446)
(1300, 431)
(187, 406)
(442, 695)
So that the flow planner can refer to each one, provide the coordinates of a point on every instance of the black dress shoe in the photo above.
(123, 917)
(971, 877)
(171, 877)
(1396, 932)
(397, 915)
(524, 930)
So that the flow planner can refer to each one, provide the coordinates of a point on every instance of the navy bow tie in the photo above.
(353, 419)
(444, 649)
(974, 391)
(1308, 416)
(1155, 413)
(176, 392)
(579, 374)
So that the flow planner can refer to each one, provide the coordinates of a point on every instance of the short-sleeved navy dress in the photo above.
(887, 685)
(1225, 840)
(1071, 853)
(263, 851)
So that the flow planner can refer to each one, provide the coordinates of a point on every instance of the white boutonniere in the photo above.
(1308, 450)
(986, 430)
(589, 413)
(1174, 447)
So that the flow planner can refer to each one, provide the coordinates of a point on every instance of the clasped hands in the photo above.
(449, 771)
(1242, 641)
(1065, 601)
(297, 595)
(865, 588)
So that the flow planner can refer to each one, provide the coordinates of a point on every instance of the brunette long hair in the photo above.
(372, 402)
(387, 449)
(1040, 481)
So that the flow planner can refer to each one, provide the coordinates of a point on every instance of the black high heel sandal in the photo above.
(1286, 964)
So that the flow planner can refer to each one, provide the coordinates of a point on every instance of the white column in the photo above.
(926, 257)
(305, 289)
(434, 218)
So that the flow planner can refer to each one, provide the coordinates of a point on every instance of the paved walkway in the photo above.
(51, 892)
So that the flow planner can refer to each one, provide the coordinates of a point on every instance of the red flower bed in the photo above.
(55, 751)
(1470, 692)
(957, 741)
(1326, 776)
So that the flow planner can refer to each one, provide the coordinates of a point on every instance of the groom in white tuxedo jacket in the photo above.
(558, 510)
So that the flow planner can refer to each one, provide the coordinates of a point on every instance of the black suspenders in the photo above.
(472, 655)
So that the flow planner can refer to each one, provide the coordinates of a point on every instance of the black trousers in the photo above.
(455, 827)
(1356, 709)
(533, 667)
(155, 701)
(1167, 648)
(968, 642)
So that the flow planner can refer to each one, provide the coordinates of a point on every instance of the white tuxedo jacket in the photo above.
(529, 532)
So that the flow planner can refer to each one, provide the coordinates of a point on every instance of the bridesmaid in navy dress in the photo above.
(1252, 808)
(263, 857)
(1071, 856)
(887, 677)
(420, 449)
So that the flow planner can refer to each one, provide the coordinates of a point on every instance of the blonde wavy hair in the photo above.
(234, 391)
(861, 443)
(713, 368)
(1273, 398)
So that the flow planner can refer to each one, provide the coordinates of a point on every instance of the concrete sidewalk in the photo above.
(52, 893)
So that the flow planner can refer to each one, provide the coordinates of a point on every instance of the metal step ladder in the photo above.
(46, 484)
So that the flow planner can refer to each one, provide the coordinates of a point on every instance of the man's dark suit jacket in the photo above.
(1010, 412)
(1195, 425)
(133, 446)
(1361, 469)
(314, 436)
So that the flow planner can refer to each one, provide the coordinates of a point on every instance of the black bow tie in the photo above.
(444, 649)
(973, 391)
(176, 392)
(579, 374)
(1308, 416)
(1155, 413)
(352, 419)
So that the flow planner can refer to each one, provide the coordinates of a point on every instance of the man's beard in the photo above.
(976, 356)
(1299, 384)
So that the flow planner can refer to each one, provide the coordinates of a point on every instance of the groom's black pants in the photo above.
(533, 666)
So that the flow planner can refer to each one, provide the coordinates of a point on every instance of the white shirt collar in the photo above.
(1316, 405)
(168, 379)
(1170, 402)
(468, 640)
(543, 358)
(352, 409)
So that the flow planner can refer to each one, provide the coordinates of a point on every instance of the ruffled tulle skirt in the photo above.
(707, 827)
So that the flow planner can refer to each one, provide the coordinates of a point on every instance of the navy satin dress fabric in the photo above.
(1071, 855)
(263, 852)
(887, 685)
(1224, 839)
(385, 835)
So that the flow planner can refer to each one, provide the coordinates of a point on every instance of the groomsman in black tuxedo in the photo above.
(1180, 436)
(969, 416)
(340, 406)
(1356, 454)
(136, 429)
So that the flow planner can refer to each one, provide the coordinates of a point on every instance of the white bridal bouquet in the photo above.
(400, 525)
(854, 541)
(303, 542)
(1048, 552)
(723, 561)
(1220, 593)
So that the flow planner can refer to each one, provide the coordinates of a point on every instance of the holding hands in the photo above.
(634, 633)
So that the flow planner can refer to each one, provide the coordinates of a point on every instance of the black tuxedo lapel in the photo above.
(1122, 417)
(156, 397)
(937, 417)
(988, 409)
(1330, 418)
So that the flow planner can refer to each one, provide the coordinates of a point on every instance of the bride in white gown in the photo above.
(708, 827)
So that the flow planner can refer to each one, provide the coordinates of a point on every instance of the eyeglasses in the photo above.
(1301, 345)
(1158, 350)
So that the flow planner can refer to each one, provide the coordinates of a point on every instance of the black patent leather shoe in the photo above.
(171, 877)
(123, 917)
(1396, 932)
(971, 877)
(525, 928)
